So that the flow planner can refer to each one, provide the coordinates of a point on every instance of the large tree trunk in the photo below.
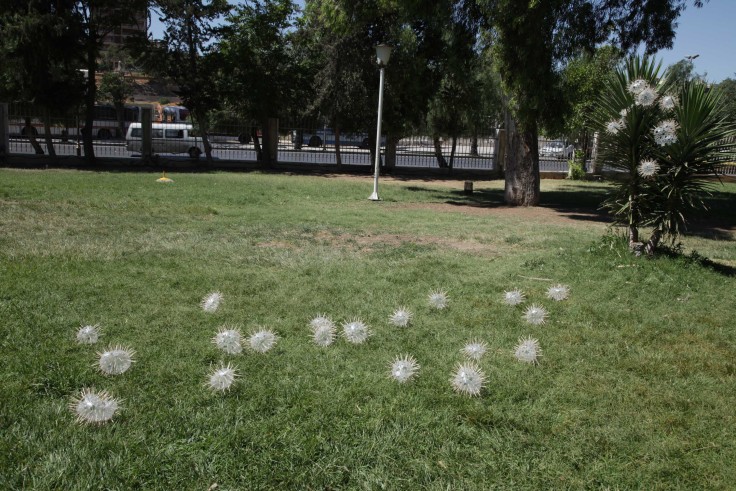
(521, 165)
(474, 146)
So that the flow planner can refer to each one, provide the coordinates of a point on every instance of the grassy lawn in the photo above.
(636, 388)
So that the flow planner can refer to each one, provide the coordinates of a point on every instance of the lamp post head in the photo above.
(383, 53)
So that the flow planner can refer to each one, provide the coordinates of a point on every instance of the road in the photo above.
(407, 156)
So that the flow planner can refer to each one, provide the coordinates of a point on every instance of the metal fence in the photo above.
(234, 140)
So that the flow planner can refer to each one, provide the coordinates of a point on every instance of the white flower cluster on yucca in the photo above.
(663, 136)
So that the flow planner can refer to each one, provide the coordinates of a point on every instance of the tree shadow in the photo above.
(585, 204)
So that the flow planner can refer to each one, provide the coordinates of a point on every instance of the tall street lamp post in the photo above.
(383, 53)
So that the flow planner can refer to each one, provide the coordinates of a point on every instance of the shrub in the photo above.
(666, 139)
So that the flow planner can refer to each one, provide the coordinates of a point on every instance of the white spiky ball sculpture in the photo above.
(558, 293)
(468, 379)
(221, 379)
(528, 350)
(115, 360)
(211, 302)
(321, 320)
(475, 350)
(92, 407)
(228, 340)
(535, 315)
(513, 297)
(88, 334)
(324, 335)
(356, 331)
(404, 368)
(263, 340)
(438, 299)
(401, 317)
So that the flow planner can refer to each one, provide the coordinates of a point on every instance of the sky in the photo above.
(709, 32)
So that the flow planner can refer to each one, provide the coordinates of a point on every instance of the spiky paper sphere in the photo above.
(221, 379)
(638, 85)
(666, 132)
(115, 360)
(668, 102)
(648, 168)
(535, 314)
(211, 302)
(438, 299)
(321, 320)
(263, 340)
(228, 340)
(88, 334)
(514, 297)
(646, 97)
(401, 317)
(475, 350)
(404, 368)
(94, 407)
(356, 331)
(614, 126)
(528, 350)
(468, 379)
(558, 293)
(323, 335)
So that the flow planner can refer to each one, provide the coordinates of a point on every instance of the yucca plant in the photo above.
(666, 140)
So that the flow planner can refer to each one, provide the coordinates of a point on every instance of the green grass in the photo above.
(636, 388)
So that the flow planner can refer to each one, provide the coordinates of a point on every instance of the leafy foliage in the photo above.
(665, 148)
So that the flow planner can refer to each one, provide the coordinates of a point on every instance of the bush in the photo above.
(576, 166)
(666, 138)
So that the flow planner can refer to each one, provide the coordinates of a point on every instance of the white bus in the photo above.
(166, 138)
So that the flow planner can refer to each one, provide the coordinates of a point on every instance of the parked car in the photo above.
(326, 136)
(556, 149)
(166, 138)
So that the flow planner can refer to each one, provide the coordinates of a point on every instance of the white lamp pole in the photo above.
(383, 53)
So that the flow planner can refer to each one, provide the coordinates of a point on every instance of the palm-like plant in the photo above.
(666, 140)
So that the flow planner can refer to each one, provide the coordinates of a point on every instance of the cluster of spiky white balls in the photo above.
(91, 406)
(97, 407)
(665, 133)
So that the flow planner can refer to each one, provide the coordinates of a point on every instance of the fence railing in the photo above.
(301, 143)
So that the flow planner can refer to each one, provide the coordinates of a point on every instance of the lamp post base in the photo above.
(374, 196)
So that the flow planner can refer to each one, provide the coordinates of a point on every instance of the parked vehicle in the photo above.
(166, 138)
(326, 136)
(556, 149)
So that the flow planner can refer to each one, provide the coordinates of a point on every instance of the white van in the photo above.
(166, 138)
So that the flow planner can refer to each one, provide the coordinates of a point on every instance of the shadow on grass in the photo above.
(573, 202)
(584, 203)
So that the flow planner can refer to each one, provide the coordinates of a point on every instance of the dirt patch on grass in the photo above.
(371, 242)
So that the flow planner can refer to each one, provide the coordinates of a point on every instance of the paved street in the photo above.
(407, 156)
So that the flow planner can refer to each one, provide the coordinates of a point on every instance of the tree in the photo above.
(95, 19)
(187, 56)
(583, 79)
(666, 138)
(533, 39)
(727, 90)
(39, 60)
(116, 89)
(260, 73)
